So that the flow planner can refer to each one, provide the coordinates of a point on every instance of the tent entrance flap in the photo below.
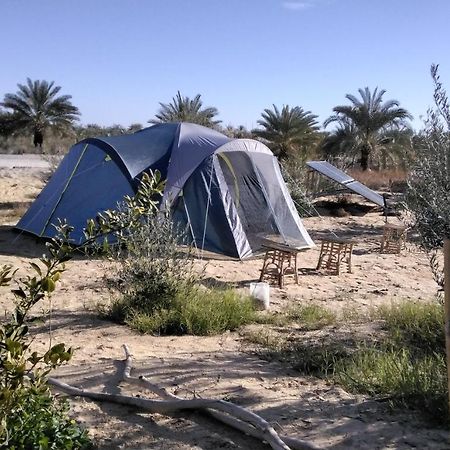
(252, 206)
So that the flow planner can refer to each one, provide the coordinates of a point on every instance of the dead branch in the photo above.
(295, 444)
(226, 412)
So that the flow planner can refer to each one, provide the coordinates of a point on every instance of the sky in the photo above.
(120, 58)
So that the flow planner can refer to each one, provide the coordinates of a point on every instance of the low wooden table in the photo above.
(394, 238)
(280, 258)
(333, 252)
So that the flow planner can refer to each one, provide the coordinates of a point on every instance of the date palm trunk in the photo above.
(365, 153)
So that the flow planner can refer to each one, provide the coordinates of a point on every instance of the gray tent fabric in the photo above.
(227, 193)
(335, 174)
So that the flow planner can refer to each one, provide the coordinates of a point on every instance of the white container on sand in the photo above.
(261, 293)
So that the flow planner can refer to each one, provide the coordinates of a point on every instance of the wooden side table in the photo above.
(334, 252)
(280, 259)
(277, 264)
(394, 238)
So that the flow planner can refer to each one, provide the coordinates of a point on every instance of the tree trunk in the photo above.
(38, 138)
(365, 152)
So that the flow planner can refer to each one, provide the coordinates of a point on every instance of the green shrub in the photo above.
(311, 317)
(195, 311)
(416, 382)
(215, 311)
(38, 421)
(406, 364)
(30, 417)
(415, 325)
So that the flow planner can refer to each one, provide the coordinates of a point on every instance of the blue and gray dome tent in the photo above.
(227, 192)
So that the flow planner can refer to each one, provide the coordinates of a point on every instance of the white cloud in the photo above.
(297, 5)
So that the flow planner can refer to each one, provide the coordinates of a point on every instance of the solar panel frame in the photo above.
(339, 176)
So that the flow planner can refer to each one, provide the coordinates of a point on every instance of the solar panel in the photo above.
(335, 174)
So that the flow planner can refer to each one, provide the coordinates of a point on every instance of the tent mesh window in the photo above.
(250, 199)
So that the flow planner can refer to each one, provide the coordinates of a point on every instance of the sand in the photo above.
(224, 366)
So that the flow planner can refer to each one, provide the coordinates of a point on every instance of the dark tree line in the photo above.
(368, 131)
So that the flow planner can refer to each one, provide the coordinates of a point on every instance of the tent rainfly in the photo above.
(339, 176)
(227, 193)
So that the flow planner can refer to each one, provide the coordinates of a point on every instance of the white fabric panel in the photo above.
(309, 243)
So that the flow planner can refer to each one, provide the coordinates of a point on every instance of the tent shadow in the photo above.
(19, 243)
(14, 242)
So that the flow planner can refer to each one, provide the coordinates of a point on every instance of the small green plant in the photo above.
(406, 363)
(415, 325)
(311, 317)
(153, 282)
(196, 311)
(412, 381)
(29, 415)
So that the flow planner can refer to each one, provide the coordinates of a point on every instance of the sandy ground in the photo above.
(223, 366)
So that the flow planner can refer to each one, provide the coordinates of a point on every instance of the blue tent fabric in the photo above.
(225, 192)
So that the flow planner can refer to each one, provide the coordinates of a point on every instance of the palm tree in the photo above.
(287, 132)
(341, 143)
(6, 123)
(239, 132)
(369, 118)
(184, 109)
(36, 108)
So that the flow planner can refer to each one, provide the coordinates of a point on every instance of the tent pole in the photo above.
(207, 210)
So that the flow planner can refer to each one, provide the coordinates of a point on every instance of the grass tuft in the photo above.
(311, 317)
(418, 326)
(415, 382)
(193, 310)
(406, 363)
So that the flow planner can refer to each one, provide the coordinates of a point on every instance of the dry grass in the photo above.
(391, 179)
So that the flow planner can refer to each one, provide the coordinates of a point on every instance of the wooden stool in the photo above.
(278, 263)
(333, 252)
(394, 238)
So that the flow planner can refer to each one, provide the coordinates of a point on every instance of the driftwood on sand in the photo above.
(232, 415)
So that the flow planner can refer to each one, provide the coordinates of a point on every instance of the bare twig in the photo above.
(226, 412)
(233, 422)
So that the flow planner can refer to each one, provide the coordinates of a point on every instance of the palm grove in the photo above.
(368, 131)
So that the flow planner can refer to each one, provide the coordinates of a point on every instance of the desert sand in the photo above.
(223, 366)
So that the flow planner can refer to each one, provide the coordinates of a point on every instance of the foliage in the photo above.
(196, 311)
(29, 415)
(185, 109)
(152, 270)
(239, 132)
(38, 421)
(289, 132)
(415, 382)
(293, 171)
(406, 363)
(155, 287)
(311, 317)
(363, 126)
(36, 107)
(428, 194)
(415, 325)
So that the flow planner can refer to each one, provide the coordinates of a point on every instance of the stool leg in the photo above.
(295, 268)
(263, 270)
(319, 263)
